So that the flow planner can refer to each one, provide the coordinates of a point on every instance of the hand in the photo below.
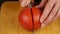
(24, 3)
(51, 11)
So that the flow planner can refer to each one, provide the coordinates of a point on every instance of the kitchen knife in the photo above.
(30, 6)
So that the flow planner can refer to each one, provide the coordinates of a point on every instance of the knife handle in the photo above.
(36, 2)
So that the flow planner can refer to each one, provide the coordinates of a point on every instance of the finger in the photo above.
(46, 11)
(58, 14)
(43, 2)
(24, 3)
(20, 1)
(32, 1)
(59, 8)
(52, 15)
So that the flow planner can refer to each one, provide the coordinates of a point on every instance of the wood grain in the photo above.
(9, 19)
(9, 23)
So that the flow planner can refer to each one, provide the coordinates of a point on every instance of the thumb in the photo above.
(24, 3)
(20, 1)
(42, 4)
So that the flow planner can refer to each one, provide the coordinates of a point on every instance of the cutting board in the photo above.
(9, 23)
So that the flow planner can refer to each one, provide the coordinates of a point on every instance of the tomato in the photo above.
(30, 18)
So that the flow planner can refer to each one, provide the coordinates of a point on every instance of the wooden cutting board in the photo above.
(9, 23)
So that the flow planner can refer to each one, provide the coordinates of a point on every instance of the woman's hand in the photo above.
(24, 3)
(51, 11)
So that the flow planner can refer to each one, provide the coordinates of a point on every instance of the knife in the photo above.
(36, 2)
(30, 6)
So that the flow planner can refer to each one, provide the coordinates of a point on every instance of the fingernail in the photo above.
(43, 25)
(22, 4)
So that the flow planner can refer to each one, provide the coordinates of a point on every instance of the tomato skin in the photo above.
(25, 19)
(36, 16)
(29, 20)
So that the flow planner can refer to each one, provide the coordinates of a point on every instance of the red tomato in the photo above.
(30, 19)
